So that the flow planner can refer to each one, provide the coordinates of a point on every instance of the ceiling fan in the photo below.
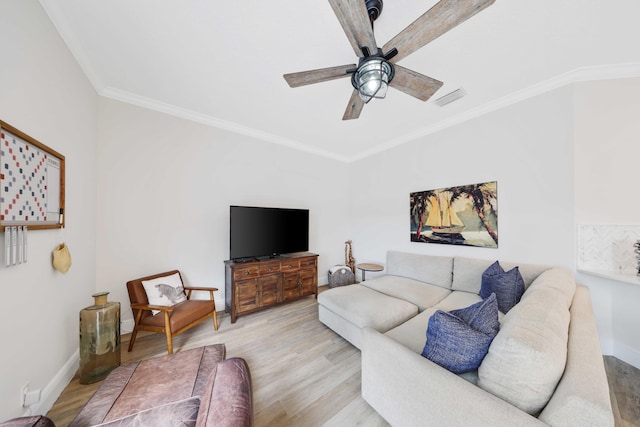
(377, 67)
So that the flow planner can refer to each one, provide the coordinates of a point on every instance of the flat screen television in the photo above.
(267, 232)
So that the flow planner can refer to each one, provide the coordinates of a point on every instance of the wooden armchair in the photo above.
(169, 320)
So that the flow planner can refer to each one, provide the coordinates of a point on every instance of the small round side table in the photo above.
(369, 267)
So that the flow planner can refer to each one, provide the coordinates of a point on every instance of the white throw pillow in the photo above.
(165, 291)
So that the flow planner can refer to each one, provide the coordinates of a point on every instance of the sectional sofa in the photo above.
(544, 367)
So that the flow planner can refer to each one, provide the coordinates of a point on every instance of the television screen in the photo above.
(260, 232)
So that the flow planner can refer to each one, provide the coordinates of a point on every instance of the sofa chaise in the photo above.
(544, 366)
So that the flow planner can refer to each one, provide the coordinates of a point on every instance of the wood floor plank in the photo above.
(303, 374)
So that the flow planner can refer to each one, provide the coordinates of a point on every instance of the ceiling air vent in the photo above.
(450, 97)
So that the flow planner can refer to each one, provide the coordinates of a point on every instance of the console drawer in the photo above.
(246, 272)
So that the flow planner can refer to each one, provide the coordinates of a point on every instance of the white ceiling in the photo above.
(221, 62)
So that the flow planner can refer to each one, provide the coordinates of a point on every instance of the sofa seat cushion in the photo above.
(528, 356)
(363, 306)
(419, 293)
(411, 334)
(456, 300)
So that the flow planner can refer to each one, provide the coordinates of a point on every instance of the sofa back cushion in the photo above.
(436, 270)
(467, 273)
(528, 356)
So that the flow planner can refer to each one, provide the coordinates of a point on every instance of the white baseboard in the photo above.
(627, 354)
(55, 387)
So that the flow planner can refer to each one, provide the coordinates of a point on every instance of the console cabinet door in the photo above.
(290, 285)
(308, 281)
(247, 295)
(269, 289)
(309, 276)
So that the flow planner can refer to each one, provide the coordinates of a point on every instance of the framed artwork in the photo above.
(31, 182)
(463, 215)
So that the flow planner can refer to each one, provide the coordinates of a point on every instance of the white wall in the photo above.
(531, 149)
(527, 148)
(165, 187)
(44, 93)
(607, 149)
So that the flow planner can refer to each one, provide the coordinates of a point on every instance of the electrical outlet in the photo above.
(30, 397)
(23, 394)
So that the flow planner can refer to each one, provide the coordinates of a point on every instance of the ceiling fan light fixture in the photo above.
(372, 78)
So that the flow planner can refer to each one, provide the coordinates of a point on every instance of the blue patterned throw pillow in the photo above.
(459, 340)
(508, 286)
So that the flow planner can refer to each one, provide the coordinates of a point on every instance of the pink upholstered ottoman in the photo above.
(171, 390)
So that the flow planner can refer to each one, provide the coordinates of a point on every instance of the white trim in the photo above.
(616, 71)
(582, 74)
(59, 21)
(627, 354)
(55, 387)
(152, 104)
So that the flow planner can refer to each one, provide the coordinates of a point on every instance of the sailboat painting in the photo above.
(462, 215)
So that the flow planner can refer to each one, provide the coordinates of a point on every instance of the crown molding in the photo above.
(183, 113)
(51, 8)
(582, 74)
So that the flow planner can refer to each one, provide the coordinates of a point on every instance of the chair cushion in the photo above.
(183, 314)
(165, 291)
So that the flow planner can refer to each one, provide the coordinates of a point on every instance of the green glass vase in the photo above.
(99, 339)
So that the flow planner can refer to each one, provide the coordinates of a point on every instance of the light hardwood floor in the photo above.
(303, 374)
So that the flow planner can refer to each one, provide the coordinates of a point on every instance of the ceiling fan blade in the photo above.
(354, 107)
(443, 16)
(354, 19)
(316, 76)
(414, 84)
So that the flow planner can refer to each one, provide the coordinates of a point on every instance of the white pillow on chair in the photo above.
(165, 291)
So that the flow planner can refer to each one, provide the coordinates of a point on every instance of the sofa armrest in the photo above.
(582, 395)
(408, 389)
